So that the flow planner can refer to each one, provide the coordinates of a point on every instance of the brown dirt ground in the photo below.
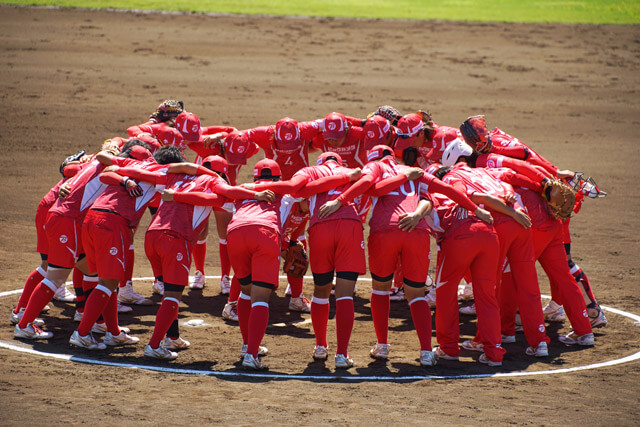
(72, 78)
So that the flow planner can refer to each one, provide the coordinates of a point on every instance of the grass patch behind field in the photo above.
(558, 11)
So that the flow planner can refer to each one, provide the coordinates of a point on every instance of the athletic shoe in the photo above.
(472, 345)
(301, 304)
(572, 338)
(63, 294)
(15, 318)
(508, 339)
(254, 363)
(225, 285)
(519, 328)
(428, 358)
(127, 295)
(77, 316)
(230, 311)
(31, 332)
(177, 344)
(553, 312)
(397, 294)
(88, 342)
(320, 352)
(440, 354)
(46, 309)
(484, 359)
(158, 288)
(121, 339)
(380, 351)
(469, 310)
(465, 292)
(198, 280)
(344, 362)
(159, 353)
(599, 321)
(124, 308)
(99, 328)
(518, 320)
(287, 292)
(431, 298)
(540, 351)
(262, 350)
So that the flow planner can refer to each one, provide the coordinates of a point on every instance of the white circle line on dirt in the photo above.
(274, 376)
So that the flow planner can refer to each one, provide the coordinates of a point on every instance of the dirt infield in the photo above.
(70, 79)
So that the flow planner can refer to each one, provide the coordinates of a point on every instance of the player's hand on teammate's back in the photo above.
(64, 190)
(413, 173)
(354, 174)
(484, 215)
(167, 195)
(329, 208)
(510, 198)
(265, 196)
(408, 221)
(522, 218)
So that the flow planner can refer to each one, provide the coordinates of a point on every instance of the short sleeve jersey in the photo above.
(352, 150)
(432, 151)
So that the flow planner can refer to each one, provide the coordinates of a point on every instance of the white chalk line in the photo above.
(276, 376)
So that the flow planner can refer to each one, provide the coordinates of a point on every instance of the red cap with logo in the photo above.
(216, 164)
(335, 126)
(375, 130)
(379, 151)
(237, 145)
(170, 136)
(287, 130)
(189, 126)
(138, 152)
(329, 155)
(408, 128)
(149, 139)
(266, 168)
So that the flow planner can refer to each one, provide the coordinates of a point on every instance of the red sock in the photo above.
(129, 261)
(380, 313)
(295, 283)
(234, 292)
(258, 320)
(421, 315)
(110, 314)
(244, 312)
(225, 264)
(199, 255)
(41, 296)
(167, 313)
(319, 319)
(344, 323)
(76, 278)
(88, 284)
(94, 306)
(34, 278)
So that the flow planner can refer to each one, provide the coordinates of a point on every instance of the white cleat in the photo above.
(262, 350)
(198, 280)
(472, 345)
(440, 354)
(344, 362)
(287, 292)
(121, 339)
(469, 310)
(77, 316)
(397, 294)
(484, 359)
(253, 363)
(541, 350)
(428, 358)
(320, 352)
(553, 312)
(88, 342)
(225, 285)
(158, 287)
(431, 298)
(508, 339)
(99, 328)
(177, 344)
(16, 317)
(31, 332)
(301, 304)
(465, 292)
(124, 308)
(127, 295)
(63, 294)
(230, 311)
(574, 339)
(159, 353)
(380, 351)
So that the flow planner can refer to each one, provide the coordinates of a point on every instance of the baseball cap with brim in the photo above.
(375, 131)
(237, 146)
(287, 130)
(138, 152)
(378, 152)
(327, 156)
(189, 126)
(169, 136)
(335, 125)
(408, 128)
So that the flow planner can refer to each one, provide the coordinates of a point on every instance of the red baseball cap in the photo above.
(149, 139)
(329, 155)
(335, 126)
(379, 151)
(189, 126)
(433, 168)
(237, 145)
(375, 130)
(266, 168)
(287, 130)
(169, 136)
(138, 152)
(408, 127)
(216, 164)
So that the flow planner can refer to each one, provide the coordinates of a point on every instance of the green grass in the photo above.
(558, 11)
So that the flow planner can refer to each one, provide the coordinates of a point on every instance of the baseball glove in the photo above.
(560, 198)
(389, 113)
(168, 110)
(295, 260)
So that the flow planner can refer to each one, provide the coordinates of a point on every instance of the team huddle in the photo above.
(493, 205)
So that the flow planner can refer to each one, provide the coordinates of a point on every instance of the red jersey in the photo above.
(290, 156)
(85, 188)
(312, 173)
(536, 207)
(251, 212)
(165, 134)
(431, 151)
(352, 149)
(507, 145)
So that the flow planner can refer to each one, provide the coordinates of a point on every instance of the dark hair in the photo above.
(440, 173)
(265, 174)
(131, 143)
(168, 154)
(410, 156)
